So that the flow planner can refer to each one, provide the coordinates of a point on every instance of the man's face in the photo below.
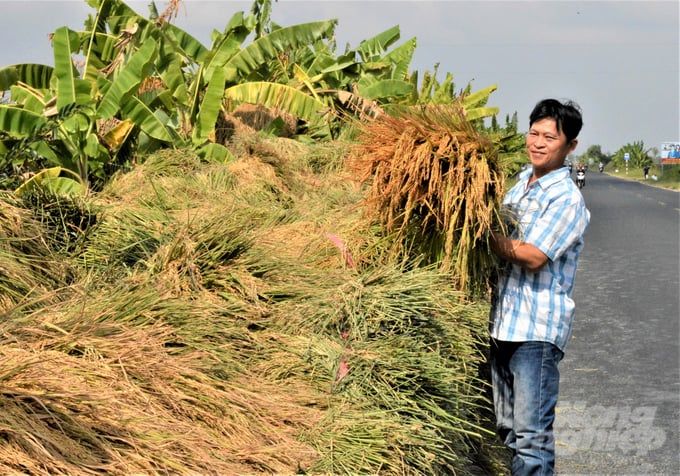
(547, 147)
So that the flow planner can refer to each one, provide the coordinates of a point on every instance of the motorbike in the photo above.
(601, 168)
(580, 179)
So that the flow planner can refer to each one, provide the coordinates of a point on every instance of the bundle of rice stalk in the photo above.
(390, 339)
(29, 269)
(124, 237)
(437, 184)
(127, 407)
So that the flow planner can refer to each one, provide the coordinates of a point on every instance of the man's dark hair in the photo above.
(567, 116)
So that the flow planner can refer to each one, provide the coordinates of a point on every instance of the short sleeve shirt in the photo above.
(551, 215)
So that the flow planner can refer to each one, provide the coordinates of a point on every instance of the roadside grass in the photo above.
(669, 179)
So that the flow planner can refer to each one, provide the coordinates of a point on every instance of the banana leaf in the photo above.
(268, 47)
(378, 44)
(118, 135)
(43, 149)
(212, 152)
(19, 123)
(401, 58)
(302, 76)
(49, 180)
(70, 88)
(30, 99)
(478, 98)
(443, 92)
(169, 64)
(100, 52)
(128, 80)
(480, 112)
(229, 45)
(190, 46)
(34, 75)
(99, 48)
(210, 107)
(385, 89)
(144, 118)
(277, 96)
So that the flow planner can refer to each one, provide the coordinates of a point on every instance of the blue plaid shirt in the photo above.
(551, 215)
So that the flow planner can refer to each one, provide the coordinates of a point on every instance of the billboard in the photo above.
(670, 152)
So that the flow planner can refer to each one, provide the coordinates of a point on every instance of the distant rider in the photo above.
(581, 176)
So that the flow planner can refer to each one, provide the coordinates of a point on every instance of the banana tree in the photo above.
(196, 80)
(638, 155)
(55, 113)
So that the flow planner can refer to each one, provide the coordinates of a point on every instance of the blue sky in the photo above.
(618, 59)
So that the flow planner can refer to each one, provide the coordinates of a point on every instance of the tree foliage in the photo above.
(126, 85)
(639, 155)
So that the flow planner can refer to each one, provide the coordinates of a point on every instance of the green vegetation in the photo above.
(127, 85)
(639, 156)
(668, 178)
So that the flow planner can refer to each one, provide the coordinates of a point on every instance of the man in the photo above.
(532, 310)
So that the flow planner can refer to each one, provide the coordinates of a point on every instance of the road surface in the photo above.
(619, 409)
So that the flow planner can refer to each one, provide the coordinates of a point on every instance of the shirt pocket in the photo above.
(530, 210)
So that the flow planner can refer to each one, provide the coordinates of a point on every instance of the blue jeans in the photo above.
(525, 382)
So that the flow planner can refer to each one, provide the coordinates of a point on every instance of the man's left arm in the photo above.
(557, 229)
(518, 252)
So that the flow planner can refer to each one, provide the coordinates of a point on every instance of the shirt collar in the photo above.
(548, 179)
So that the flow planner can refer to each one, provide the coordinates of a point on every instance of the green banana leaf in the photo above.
(277, 96)
(212, 152)
(190, 46)
(378, 44)
(145, 119)
(301, 75)
(478, 98)
(325, 63)
(443, 92)
(194, 93)
(19, 123)
(169, 64)
(210, 107)
(70, 88)
(128, 79)
(34, 75)
(386, 88)
(43, 149)
(480, 112)
(100, 52)
(30, 99)
(401, 58)
(116, 15)
(49, 180)
(228, 46)
(268, 47)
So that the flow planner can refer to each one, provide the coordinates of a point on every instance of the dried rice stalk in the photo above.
(436, 183)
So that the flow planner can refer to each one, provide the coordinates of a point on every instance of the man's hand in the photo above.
(517, 252)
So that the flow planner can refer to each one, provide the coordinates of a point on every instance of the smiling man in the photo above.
(532, 312)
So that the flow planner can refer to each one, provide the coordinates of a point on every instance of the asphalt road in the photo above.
(619, 408)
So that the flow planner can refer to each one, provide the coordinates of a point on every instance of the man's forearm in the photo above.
(517, 252)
